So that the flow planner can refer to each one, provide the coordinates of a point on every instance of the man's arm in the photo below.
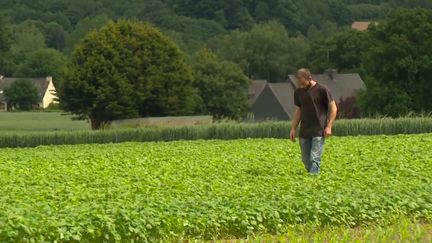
(331, 117)
(295, 123)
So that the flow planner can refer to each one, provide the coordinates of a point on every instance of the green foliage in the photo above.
(83, 27)
(28, 37)
(5, 44)
(339, 12)
(265, 52)
(410, 4)
(394, 88)
(222, 86)
(42, 63)
(366, 11)
(296, 16)
(190, 34)
(344, 50)
(78, 10)
(5, 38)
(28, 56)
(314, 34)
(127, 69)
(22, 94)
(205, 190)
(232, 14)
(402, 84)
(55, 36)
(349, 49)
(384, 99)
(56, 18)
(262, 50)
(149, 10)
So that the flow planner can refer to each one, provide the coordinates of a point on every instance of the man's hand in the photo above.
(327, 132)
(295, 122)
(293, 135)
(331, 117)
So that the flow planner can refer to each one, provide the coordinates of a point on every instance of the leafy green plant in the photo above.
(204, 190)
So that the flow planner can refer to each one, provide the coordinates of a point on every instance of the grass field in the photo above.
(216, 189)
(39, 121)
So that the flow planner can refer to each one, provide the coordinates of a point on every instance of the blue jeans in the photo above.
(312, 149)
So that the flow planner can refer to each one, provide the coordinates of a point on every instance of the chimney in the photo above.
(332, 73)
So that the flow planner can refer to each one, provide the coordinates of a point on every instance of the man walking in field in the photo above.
(316, 111)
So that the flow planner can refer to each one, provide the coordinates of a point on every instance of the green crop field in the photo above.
(205, 190)
(39, 121)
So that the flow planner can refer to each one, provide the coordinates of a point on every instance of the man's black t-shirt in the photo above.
(314, 104)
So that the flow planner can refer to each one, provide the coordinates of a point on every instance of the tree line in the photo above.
(232, 41)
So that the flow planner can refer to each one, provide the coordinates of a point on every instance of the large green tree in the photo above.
(222, 86)
(344, 51)
(349, 48)
(127, 69)
(399, 62)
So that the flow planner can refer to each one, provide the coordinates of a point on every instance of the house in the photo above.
(44, 86)
(341, 85)
(361, 25)
(276, 100)
(257, 86)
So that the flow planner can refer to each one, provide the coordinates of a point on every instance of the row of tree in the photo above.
(268, 50)
(49, 30)
(394, 58)
(130, 69)
(297, 16)
(191, 23)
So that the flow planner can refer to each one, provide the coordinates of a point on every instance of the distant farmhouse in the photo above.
(45, 87)
(362, 25)
(275, 101)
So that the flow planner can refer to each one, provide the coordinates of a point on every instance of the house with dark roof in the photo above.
(44, 86)
(276, 100)
(341, 85)
(274, 103)
(257, 86)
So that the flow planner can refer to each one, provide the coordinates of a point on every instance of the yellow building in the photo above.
(44, 86)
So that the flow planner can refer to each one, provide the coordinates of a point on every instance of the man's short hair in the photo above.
(304, 73)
